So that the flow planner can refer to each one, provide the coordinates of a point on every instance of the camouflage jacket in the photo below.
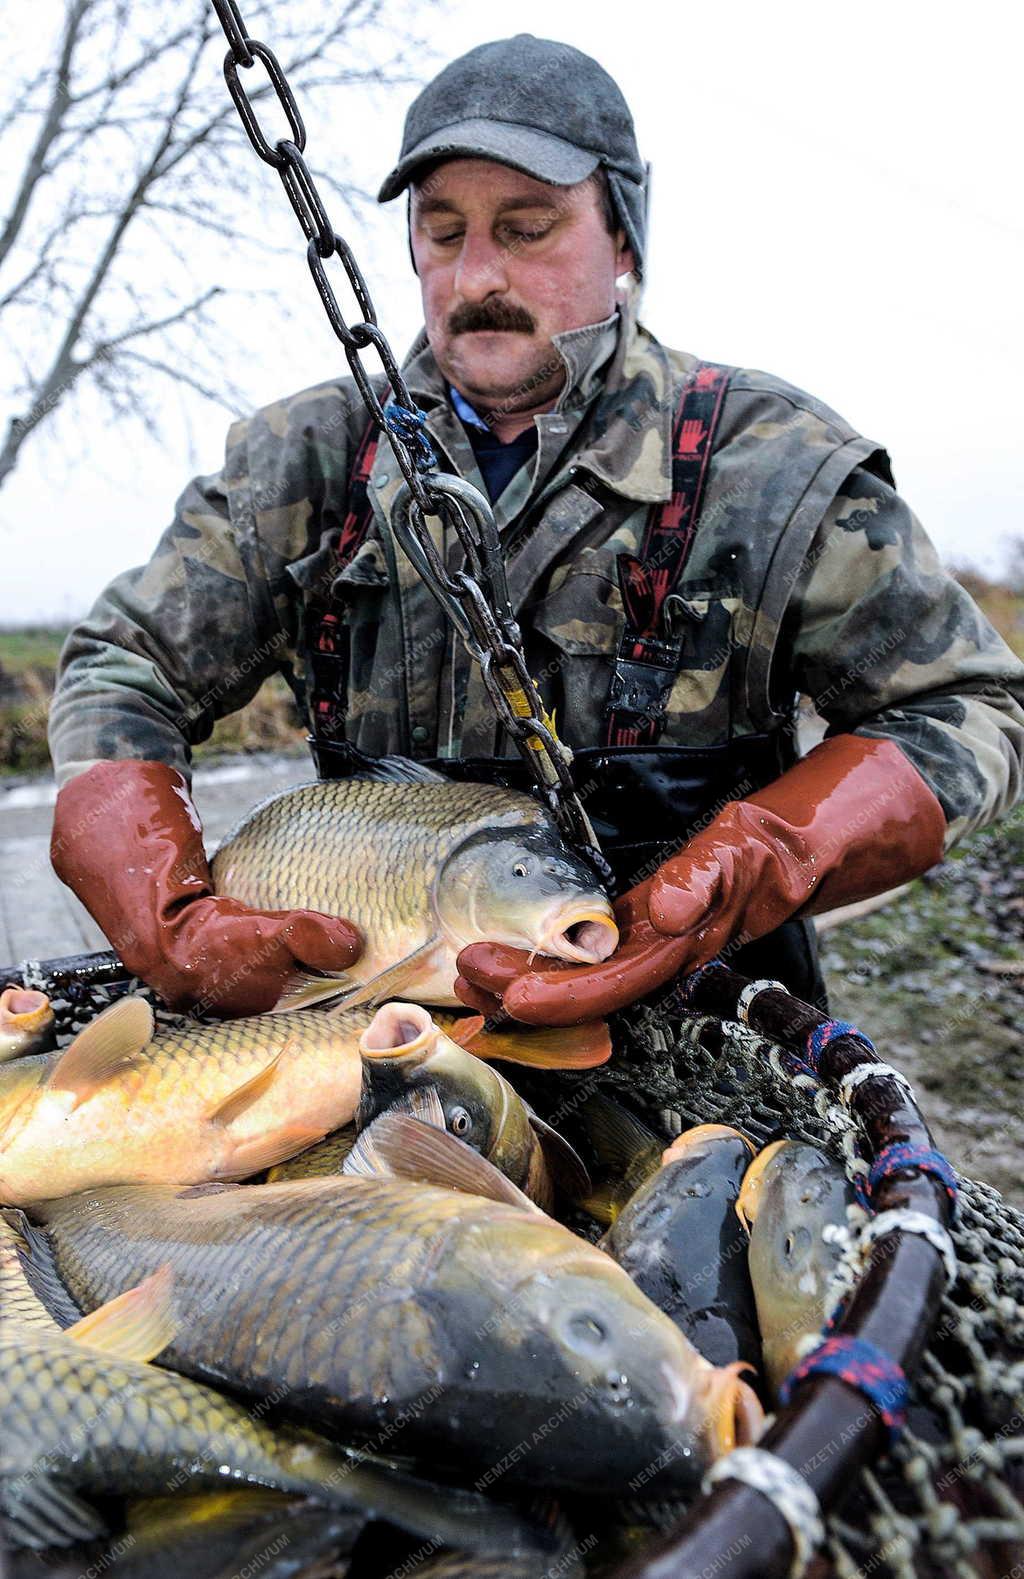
(808, 575)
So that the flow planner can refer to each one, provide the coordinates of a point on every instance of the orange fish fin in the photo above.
(407, 1148)
(263, 1151)
(545, 1047)
(136, 1325)
(243, 1096)
(602, 1204)
(106, 1047)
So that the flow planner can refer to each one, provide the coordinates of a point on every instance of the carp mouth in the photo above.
(399, 1031)
(586, 939)
(731, 1410)
(23, 1006)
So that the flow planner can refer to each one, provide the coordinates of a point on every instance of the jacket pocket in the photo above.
(578, 631)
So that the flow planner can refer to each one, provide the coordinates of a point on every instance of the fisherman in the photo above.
(689, 549)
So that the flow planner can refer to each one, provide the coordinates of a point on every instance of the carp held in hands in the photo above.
(423, 869)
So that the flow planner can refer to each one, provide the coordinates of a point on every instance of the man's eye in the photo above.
(514, 233)
(447, 238)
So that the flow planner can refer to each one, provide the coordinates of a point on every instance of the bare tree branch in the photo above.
(35, 165)
(142, 173)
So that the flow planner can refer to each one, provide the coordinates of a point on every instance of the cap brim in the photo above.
(539, 154)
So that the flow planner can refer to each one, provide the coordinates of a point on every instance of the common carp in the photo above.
(84, 1415)
(27, 1022)
(682, 1242)
(463, 1329)
(202, 1102)
(422, 869)
(795, 1199)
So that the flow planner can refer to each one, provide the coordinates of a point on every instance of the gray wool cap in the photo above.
(542, 107)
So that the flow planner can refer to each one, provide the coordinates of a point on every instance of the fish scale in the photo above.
(319, 844)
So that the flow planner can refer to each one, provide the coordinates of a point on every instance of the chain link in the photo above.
(475, 598)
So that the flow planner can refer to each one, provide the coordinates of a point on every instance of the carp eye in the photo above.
(459, 1121)
(521, 869)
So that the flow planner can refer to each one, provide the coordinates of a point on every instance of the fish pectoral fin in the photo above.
(365, 1157)
(243, 1096)
(263, 1151)
(305, 988)
(106, 1046)
(40, 1511)
(423, 1103)
(407, 1148)
(136, 1325)
(548, 1047)
(565, 1165)
(392, 982)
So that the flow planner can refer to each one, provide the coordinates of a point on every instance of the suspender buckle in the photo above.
(642, 686)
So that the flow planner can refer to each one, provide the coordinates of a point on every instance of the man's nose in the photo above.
(482, 268)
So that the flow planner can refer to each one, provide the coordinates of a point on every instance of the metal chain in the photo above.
(475, 598)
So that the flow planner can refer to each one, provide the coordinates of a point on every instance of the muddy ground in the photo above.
(936, 979)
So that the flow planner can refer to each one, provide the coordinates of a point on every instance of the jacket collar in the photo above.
(619, 366)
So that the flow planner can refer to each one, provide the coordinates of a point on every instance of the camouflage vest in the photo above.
(778, 460)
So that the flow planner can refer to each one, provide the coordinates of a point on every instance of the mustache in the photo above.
(497, 315)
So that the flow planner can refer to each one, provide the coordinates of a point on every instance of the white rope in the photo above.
(871, 1071)
(752, 990)
(785, 1488)
(904, 1221)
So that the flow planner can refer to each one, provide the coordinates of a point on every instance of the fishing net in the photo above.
(947, 1499)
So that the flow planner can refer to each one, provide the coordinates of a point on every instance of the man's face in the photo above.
(506, 261)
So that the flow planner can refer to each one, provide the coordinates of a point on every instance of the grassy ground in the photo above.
(28, 663)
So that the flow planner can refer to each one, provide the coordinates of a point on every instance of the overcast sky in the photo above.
(835, 198)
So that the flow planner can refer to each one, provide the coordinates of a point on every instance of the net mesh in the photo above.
(947, 1500)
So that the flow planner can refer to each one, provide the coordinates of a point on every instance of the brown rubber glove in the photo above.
(128, 842)
(495, 978)
(851, 819)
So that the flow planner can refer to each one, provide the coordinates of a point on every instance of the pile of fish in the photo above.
(384, 1334)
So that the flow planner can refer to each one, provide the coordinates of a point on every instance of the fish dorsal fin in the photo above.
(134, 1326)
(547, 1047)
(106, 1046)
(616, 1135)
(413, 1150)
(243, 1096)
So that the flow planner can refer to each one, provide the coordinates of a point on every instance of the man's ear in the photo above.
(625, 263)
(408, 229)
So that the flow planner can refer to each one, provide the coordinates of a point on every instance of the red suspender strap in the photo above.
(326, 636)
(648, 659)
